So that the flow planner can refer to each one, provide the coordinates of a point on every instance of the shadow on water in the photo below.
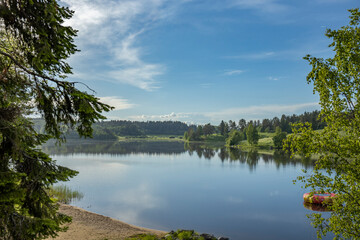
(317, 207)
(232, 155)
(114, 147)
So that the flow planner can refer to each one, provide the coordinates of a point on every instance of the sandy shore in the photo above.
(91, 226)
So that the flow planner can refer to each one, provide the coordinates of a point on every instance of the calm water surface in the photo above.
(169, 185)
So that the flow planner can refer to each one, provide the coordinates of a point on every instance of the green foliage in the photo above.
(235, 137)
(279, 138)
(199, 131)
(135, 128)
(232, 125)
(27, 210)
(190, 135)
(252, 134)
(208, 129)
(267, 125)
(270, 125)
(38, 27)
(224, 129)
(194, 135)
(202, 133)
(178, 235)
(337, 169)
(34, 46)
(143, 237)
(216, 138)
(242, 124)
(112, 130)
(186, 135)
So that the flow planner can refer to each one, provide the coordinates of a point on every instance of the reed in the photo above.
(64, 194)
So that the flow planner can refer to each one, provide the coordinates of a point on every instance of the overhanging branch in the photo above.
(61, 83)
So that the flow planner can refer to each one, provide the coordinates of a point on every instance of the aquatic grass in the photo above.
(64, 194)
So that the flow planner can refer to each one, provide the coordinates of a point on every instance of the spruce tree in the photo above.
(34, 46)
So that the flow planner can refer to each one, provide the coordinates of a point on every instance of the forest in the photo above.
(111, 130)
(283, 124)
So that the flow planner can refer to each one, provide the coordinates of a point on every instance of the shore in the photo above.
(92, 226)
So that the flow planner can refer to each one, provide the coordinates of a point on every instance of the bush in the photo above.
(235, 137)
(279, 138)
(178, 235)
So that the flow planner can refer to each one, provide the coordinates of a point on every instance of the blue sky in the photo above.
(201, 61)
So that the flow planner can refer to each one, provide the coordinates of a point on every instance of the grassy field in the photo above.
(214, 138)
(265, 142)
(152, 138)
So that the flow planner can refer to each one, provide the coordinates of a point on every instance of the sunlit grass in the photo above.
(178, 235)
(266, 134)
(149, 138)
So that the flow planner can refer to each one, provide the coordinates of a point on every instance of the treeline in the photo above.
(111, 130)
(248, 130)
(135, 128)
(270, 125)
(114, 129)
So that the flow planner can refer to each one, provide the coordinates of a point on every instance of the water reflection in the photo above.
(171, 185)
(139, 199)
(115, 147)
(317, 207)
(250, 158)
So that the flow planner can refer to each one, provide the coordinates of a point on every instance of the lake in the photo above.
(172, 185)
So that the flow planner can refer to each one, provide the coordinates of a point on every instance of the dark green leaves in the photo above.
(38, 26)
(34, 45)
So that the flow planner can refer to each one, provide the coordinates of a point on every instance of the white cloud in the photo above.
(233, 72)
(133, 202)
(141, 197)
(248, 113)
(114, 28)
(169, 115)
(99, 20)
(126, 52)
(86, 16)
(133, 70)
(164, 117)
(273, 78)
(117, 103)
(141, 76)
